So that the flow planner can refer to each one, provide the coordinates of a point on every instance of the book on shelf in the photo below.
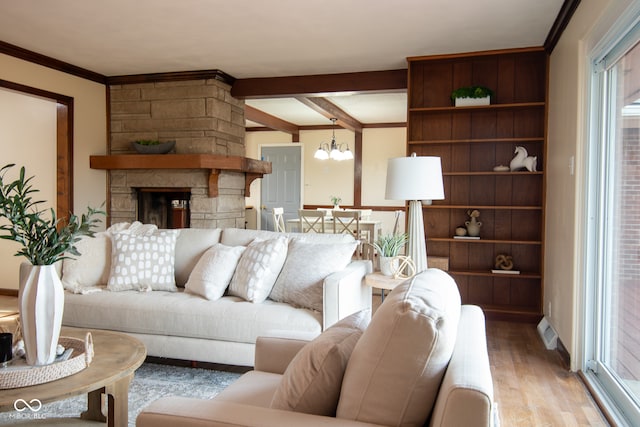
(506, 271)
(467, 237)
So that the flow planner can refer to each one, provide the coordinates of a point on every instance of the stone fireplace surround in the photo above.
(203, 118)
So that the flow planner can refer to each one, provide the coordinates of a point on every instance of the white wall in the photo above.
(90, 136)
(568, 85)
(323, 179)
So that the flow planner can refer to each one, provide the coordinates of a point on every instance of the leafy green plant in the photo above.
(335, 200)
(391, 244)
(44, 240)
(471, 92)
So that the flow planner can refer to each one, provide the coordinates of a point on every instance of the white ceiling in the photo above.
(268, 38)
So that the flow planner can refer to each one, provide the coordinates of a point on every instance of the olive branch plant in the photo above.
(45, 239)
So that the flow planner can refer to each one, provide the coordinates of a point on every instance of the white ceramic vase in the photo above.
(41, 303)
(389, 265)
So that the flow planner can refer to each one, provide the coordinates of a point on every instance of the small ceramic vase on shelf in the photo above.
(473, 225)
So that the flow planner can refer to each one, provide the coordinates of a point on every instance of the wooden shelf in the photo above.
(477, 107)
(478, 141)
(492, 173)
(484, 241)
(485, 207)
(488, 273)
(214, 163)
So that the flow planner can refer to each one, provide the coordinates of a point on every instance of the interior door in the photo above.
(281, 188)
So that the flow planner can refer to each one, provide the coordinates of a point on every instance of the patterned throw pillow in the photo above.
(214, 270)
(258, 269)
(143, 262)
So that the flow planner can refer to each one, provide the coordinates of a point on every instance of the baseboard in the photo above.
(564, 354)
(9, 292)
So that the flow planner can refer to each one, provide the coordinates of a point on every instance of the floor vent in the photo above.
(548, 334)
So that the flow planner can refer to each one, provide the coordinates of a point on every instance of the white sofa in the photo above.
(182, 325)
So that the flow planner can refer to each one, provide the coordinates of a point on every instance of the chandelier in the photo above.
(333, 150)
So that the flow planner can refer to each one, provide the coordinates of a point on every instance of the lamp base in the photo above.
(417, 247)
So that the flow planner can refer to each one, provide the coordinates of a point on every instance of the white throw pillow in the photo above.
(143, 262)
(258, 269)
(307, 265)
(214, 270)
(92, 267)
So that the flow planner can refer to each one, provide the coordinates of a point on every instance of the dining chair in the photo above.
(278, 220)
(349, 222)
(311, 221)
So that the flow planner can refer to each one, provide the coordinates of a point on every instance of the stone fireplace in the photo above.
(207, 167)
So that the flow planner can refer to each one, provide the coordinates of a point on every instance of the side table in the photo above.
(116, 358)
(382, 282)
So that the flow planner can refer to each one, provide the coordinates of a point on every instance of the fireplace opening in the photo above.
(166, 208)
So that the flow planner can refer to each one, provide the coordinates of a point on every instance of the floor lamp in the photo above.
(415, 179)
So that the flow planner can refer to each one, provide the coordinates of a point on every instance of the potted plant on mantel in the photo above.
(389, 248)
(472, 95)
(45, 240)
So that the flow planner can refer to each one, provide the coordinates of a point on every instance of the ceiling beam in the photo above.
(314, 85)
(270, 121)
(331, 110)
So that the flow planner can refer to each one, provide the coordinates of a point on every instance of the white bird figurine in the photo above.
(523, 160)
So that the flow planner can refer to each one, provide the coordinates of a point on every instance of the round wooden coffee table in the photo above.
(116, 358)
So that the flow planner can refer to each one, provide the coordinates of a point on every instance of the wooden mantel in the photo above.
(251, 168)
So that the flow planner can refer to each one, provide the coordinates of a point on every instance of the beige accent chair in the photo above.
(422, 360)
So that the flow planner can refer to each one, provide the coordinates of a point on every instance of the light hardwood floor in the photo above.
(531, 385)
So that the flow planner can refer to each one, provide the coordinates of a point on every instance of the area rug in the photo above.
(151, 382)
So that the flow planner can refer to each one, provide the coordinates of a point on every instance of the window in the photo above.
(612, 314)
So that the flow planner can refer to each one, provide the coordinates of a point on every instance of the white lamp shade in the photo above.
(414, 178)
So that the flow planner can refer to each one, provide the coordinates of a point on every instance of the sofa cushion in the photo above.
(191, 244)
(143, 262)
(213, 272)
(395, 371)
(258, 269)
(311, 382)
(302, 286)
(183, 314)
(93, 265)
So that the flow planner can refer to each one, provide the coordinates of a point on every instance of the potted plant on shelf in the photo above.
(44, 240)
(152, 146)
(389, 248)
(472, 95)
